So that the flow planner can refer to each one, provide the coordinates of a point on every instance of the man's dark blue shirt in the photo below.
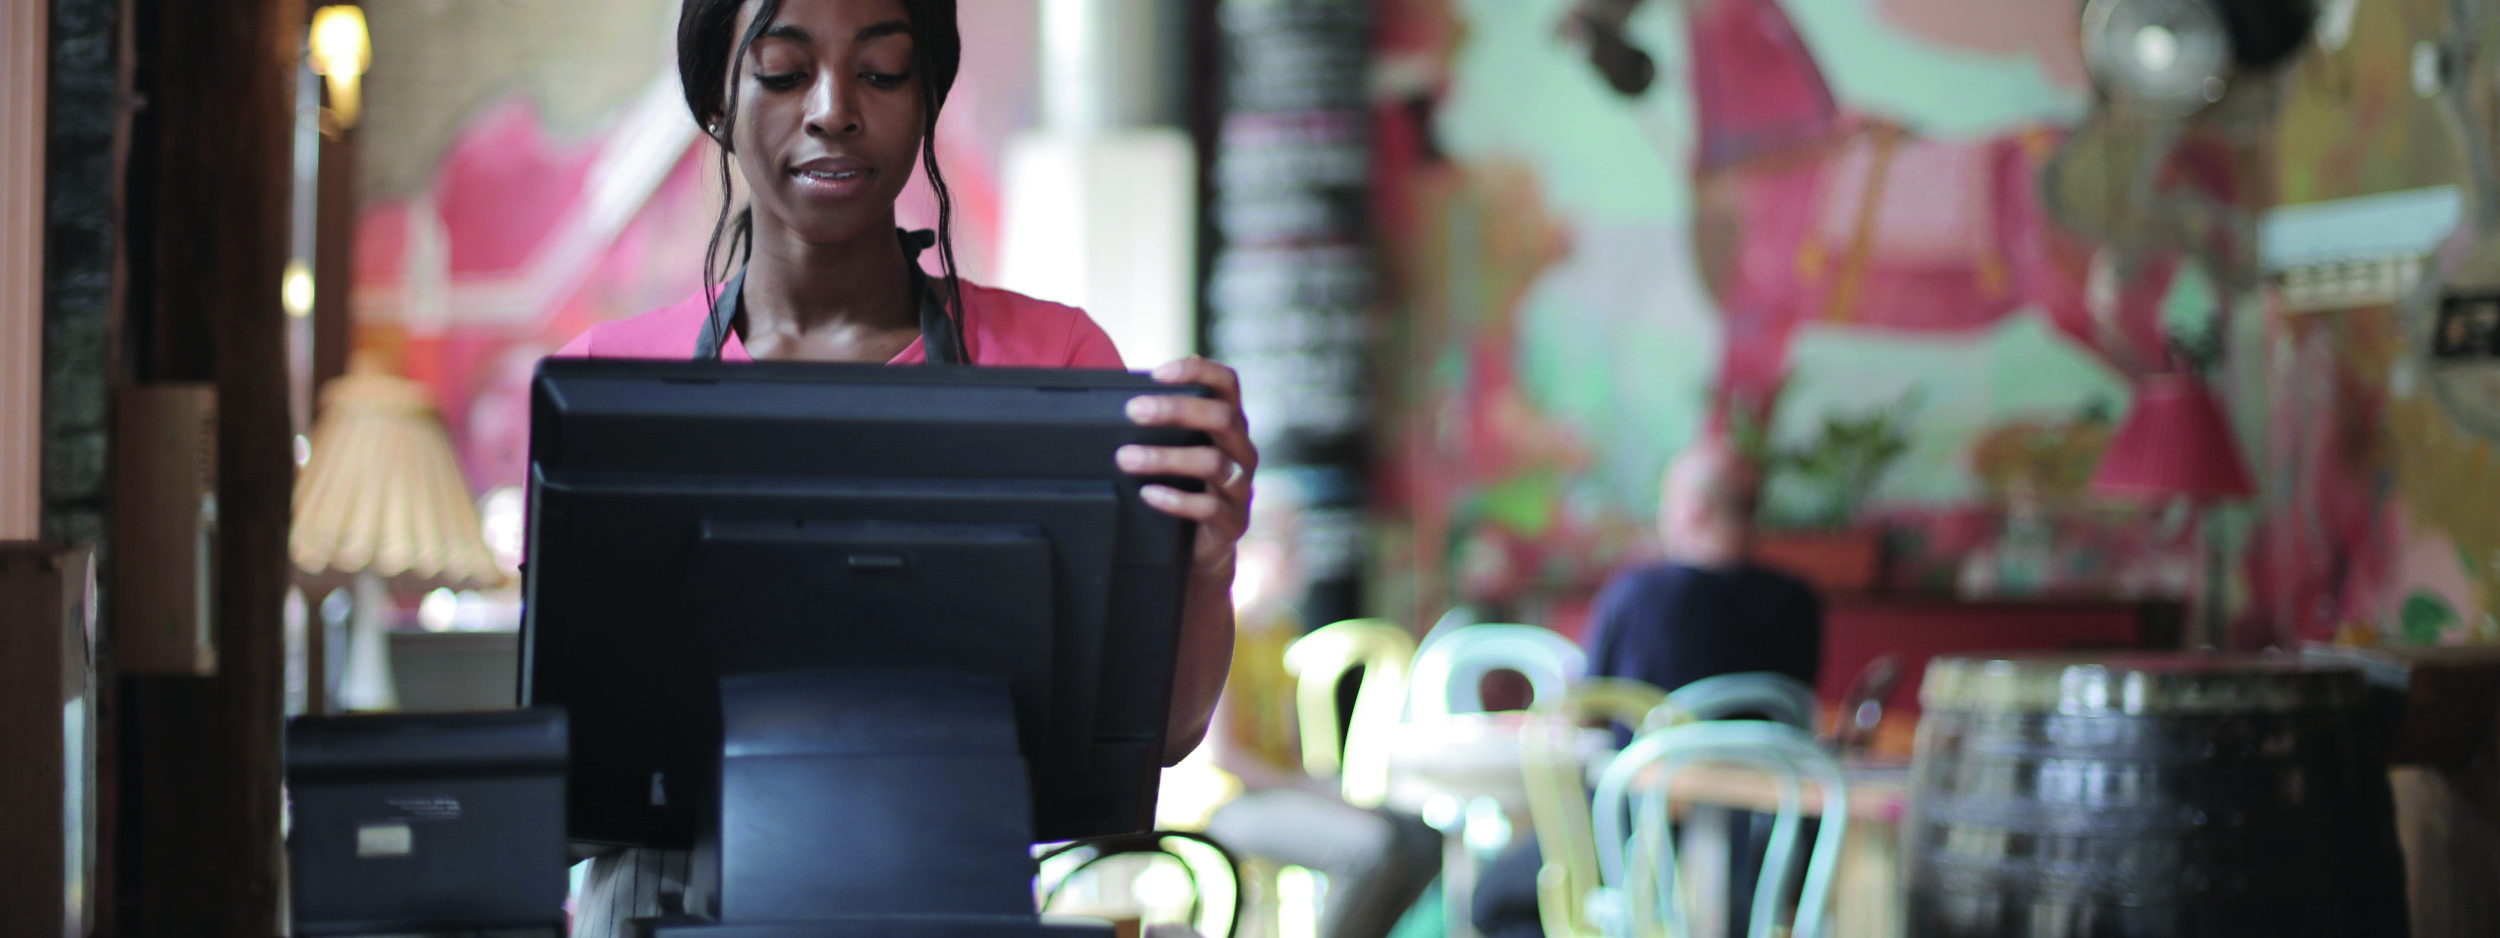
(1671, 625)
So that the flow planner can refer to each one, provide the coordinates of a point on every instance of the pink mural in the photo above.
(2044, 33)
(518, 243)
(1518, 457)
(521, 240)
(1810, 212)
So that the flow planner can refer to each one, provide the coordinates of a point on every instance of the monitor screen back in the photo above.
(690, 521)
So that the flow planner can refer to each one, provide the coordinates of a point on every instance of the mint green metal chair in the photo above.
(1635, 847)
(1764, 694)
(1385, 651)
(1556, 771)
(1451, 665)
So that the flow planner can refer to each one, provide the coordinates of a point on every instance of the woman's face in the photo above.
(829, 116)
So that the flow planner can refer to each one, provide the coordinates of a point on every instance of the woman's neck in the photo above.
(795, 288)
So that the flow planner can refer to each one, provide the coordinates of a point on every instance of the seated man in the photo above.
(1703, 611)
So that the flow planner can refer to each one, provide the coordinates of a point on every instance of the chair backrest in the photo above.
(1213, 872)
(1636, 854)
(1555, 772)
(1385, 651)
(1761, 694)
(1450, 668)
(1453, 619)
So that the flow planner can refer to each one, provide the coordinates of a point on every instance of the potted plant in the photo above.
(1813, 489)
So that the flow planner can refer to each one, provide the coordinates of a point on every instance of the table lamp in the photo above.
(2176, 445)
(382, 503)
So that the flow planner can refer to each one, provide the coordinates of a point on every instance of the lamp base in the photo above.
(367, 684)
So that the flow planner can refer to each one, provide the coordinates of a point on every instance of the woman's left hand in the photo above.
(1223, 510)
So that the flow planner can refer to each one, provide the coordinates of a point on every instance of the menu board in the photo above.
(1290, 281)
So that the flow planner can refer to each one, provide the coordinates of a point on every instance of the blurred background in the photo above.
(2050, 322)
(1482, 292)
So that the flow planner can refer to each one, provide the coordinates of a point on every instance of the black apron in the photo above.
(941, 337)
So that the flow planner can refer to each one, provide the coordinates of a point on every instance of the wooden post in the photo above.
(334, 277)
(2445, 747)
(48, 791)
(334, 259)
(24, 51)
(2448, 819)
(207, 204)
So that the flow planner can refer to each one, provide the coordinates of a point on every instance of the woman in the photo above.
(825, 105)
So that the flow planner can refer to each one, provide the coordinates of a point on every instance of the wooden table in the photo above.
(1878, 789)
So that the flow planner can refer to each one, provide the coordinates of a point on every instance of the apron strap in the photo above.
(941, 336)
(724, 311)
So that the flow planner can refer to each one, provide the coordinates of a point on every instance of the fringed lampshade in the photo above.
(2175, 444)
(383, 493)
(382, 503)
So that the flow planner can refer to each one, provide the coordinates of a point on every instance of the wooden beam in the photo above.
(25, 49)
(334, 259)
(334, 280)
(209, 181)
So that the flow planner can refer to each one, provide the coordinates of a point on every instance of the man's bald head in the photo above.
(1706, 503)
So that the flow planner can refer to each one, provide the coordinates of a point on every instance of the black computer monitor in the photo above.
(693, 526)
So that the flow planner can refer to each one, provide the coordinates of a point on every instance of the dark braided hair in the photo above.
(711, 59)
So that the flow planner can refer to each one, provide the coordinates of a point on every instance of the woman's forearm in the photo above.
(1206, 654)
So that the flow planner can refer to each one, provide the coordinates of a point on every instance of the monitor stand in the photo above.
(866, 803)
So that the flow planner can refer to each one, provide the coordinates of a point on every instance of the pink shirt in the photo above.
(1001, 328)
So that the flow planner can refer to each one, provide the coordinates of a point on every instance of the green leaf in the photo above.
(2425, 617)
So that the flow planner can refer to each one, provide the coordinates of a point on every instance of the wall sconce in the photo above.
(340, 52)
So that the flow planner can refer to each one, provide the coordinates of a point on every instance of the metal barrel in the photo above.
(2069, 796)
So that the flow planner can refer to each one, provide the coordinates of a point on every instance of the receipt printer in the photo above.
(435, 822)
